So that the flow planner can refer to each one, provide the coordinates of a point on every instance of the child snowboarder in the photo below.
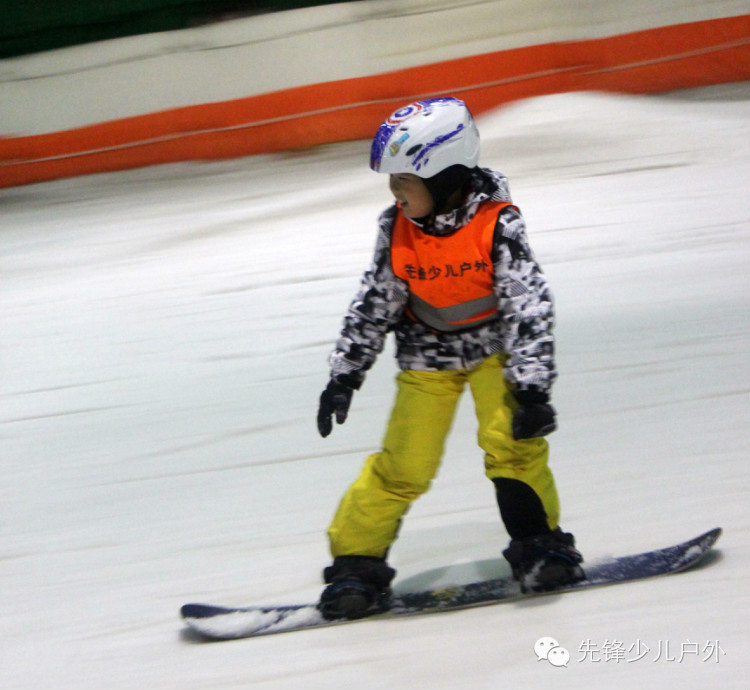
(454, 278)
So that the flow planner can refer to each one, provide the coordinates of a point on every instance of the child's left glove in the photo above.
(534, 417)
(335, 399)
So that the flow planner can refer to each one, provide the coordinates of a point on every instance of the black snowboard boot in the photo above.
(546, 562)
(358, 586)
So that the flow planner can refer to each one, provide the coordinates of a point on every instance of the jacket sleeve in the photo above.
(526, 306)
(376, 308)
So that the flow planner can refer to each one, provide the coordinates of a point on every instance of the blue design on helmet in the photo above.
(423, 155)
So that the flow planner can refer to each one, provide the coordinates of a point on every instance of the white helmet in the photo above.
(426, 137)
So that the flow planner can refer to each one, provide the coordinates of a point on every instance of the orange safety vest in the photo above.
(450, 278)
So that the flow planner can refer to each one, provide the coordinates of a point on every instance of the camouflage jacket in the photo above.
(523, 329)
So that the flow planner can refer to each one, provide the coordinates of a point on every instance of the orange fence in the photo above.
(654, 60)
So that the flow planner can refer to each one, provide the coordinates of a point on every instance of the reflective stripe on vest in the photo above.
(450, 278)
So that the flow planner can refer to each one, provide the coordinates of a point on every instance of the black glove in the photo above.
(335, 399)
(535, 416)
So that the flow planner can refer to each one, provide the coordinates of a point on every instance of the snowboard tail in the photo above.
(227, 623)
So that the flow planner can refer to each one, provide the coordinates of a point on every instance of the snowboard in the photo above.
(227, 623)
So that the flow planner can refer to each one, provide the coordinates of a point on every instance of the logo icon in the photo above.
(405, 113)
(395, 147)
(549, 649)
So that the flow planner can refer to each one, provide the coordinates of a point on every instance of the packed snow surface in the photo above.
(163, 345)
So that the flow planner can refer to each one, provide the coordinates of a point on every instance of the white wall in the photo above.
(83, 85)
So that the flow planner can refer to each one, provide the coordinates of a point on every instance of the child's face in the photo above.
(411, 194)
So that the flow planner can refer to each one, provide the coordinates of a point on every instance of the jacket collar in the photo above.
(484, 185)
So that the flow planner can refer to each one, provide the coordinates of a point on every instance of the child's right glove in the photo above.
(335, 399)
(534, 417)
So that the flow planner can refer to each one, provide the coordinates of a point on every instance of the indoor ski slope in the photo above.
(163, 345)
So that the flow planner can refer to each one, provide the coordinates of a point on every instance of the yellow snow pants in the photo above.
(368, 517)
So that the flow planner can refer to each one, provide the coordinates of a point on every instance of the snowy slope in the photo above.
(163, 346)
